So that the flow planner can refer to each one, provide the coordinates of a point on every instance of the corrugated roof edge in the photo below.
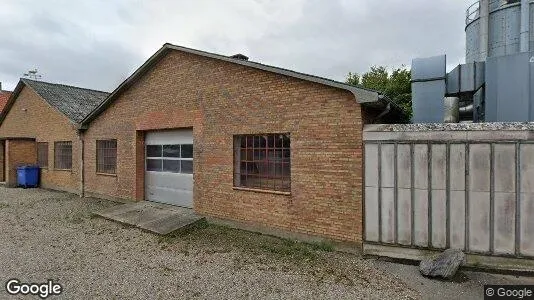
(362, 95)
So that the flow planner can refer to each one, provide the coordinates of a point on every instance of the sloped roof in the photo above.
(362, 95)
(4, 96)
(74, 102)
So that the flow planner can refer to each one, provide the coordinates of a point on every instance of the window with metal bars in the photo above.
(42, 154)
(106, 156)
(263, 161)
(63, 155)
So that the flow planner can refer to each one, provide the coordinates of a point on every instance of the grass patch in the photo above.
(4, 205)
(322, 246)
(187, 231)
(211, 238)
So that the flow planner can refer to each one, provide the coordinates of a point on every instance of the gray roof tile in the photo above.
(74, 102)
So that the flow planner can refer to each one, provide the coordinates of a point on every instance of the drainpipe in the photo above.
(484, 29)
(82, 165)
(524, 38)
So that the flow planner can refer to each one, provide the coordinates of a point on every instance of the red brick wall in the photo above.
(219, 100)
(32, 117)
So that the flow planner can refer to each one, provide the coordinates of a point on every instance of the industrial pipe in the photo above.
(466, 110)
(524, 35)
(483, 36)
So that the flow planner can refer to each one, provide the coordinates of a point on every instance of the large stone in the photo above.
(443, 265)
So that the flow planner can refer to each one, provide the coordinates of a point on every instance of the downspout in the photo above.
(82, 164)
(524, 34)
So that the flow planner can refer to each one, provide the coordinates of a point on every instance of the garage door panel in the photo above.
(170, 196)
(169, 178)
(183, 136)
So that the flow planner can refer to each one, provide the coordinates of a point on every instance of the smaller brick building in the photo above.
(4, 96)
(39, 125)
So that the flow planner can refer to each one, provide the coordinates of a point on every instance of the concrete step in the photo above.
(155, 217)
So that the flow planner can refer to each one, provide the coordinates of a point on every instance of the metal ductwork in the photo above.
(496, 84)
(451, 110)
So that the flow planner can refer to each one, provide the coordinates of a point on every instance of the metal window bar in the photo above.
(63, 155)
(263, 161)
(106, 156)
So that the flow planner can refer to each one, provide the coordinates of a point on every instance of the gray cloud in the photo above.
(97, 44)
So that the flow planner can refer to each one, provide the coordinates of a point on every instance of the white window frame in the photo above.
(162, 158)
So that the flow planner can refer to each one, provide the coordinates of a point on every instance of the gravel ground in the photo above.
(465, 285)
(51, 235)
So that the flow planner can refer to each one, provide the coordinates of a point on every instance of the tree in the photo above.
(395, 85)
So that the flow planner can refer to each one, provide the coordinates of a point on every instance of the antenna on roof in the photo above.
(32, 74)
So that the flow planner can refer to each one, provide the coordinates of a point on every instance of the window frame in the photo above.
(162, 158)
(39, 162)
(56, 154)
(270, 163)
(98, 159)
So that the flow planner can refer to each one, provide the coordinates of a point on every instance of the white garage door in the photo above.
(169, 167)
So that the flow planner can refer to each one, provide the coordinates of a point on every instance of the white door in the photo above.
(169, 167)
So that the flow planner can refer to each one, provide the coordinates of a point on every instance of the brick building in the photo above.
(40, 126)
(271, 146)
(231, 138)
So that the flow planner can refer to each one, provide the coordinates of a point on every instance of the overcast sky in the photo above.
(99, 43)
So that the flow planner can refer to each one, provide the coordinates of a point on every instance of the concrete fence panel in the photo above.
(439, 186)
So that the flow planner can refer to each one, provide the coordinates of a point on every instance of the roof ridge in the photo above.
(65, 85)
(280, 68)
(361, 95)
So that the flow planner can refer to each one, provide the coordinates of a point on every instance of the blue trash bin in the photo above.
(28, 176)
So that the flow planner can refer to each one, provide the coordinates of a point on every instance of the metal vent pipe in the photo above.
(483, 37)
(524, 35)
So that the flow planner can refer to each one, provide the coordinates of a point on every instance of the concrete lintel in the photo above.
(487, 126)
(451, 135)
(414, 136)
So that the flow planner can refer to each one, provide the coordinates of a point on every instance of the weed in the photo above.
(289, 248)
(322, 246)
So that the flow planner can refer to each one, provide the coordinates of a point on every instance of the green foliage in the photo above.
(322, 246)
(395, 85)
